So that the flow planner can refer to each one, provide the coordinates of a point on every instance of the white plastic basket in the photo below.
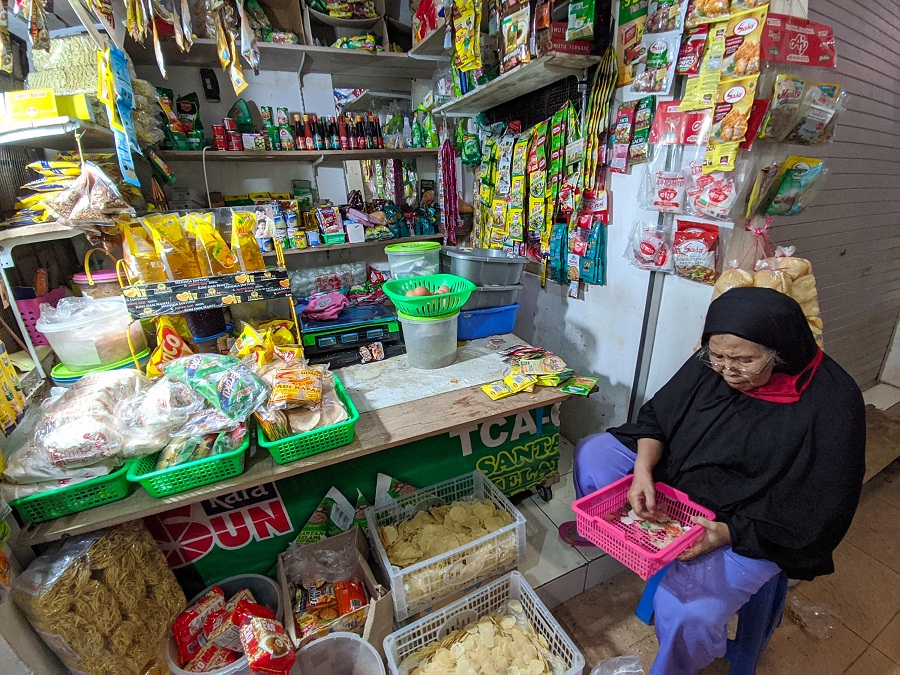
(492, 597)
(419, 586)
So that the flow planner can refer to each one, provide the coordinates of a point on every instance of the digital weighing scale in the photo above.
(338, 341)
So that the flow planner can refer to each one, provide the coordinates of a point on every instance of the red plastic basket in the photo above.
(629, 544)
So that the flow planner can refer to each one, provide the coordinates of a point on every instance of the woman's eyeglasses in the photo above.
(721, 367)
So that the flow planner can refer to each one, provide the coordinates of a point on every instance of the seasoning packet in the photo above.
(497, 390)
(579, 385)
(656, 71)
(519, 382)
(580, 24)
(691, 53)
(650, 247)
(665, 15)
(333, 515)
(618, 162)
(742, 40)
(708, 11)
(734, 101)
(786, 95)
(515, 30)
(696, 250)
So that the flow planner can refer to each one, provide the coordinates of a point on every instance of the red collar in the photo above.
(782, 388)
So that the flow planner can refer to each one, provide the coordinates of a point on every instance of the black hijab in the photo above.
(785, 477)
(768, 318)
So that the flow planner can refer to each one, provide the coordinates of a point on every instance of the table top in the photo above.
(376, 430)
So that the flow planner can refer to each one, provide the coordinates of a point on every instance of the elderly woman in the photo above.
(760, 427)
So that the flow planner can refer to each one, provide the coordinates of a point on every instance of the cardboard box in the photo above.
(76, 106)
(373, 623)
(556, 42)
(30, 104)
(356, 233)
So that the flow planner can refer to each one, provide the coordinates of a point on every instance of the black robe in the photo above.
(785, 477)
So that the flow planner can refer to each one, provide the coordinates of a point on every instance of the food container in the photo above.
(65, 377)
(481, 323)
(430, 342)
(414, 259)
(485, 297)
(486, 267)
(417, 587)
(493, 597)
(87, 333)
(339, 654)
(106, 284)
(265, 592)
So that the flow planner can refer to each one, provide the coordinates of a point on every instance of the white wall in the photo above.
(599, 335)
(890, 374)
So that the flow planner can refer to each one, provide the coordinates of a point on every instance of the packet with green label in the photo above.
(580, 386)
(333, 515)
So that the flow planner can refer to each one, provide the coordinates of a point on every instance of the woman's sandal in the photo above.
(568, 532)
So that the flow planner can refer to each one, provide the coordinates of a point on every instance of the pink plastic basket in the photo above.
(31, 312)
(629, 544)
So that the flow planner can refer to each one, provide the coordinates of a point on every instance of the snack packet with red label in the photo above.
(696, 250)
(212, 657)
(650, 247)
(691, 53)
(170, 347)
(223, 628)
(266, 645)
(188, 626)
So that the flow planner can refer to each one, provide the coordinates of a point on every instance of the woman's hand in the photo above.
(642, 495)
(715, 536)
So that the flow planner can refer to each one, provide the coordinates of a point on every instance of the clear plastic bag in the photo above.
(226, 383)
(620, 665)
(650, 247)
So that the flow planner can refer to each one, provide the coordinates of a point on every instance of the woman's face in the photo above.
(744, 365)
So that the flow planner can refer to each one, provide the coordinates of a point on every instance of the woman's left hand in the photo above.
(715, 536)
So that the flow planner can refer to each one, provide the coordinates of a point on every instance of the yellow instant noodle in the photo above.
(107, 602)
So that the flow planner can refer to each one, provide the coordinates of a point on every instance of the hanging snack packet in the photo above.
(742, 40)
(799, 182)
(712, 195)
(172, 247)
(581, 20)
(782, 112)
(650, 247)
(817, 117)
(663, 190)
(170, 346)
(691, 53)
(243, 242)
(731, 116)
(707, 11)
(656, 71)
(515, 30)
(665, 15)
(696, 250)
(639, 149)
(618, 162)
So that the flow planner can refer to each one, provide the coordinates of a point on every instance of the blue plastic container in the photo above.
(479, 323)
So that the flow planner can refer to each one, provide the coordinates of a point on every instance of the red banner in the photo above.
(789, 39)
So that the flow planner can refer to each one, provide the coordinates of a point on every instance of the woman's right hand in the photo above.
(642, 495)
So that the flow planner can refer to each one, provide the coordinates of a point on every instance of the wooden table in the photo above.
(375, 431)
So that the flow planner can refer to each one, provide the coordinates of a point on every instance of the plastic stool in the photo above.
(757, 620)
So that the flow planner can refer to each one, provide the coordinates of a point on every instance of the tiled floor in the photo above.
(595, 603)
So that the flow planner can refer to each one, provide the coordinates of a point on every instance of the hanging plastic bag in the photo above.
(650, 247)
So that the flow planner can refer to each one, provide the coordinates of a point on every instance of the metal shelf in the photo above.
(523, 80)
(363, 244)
(313, 157)
(57, 133)
(365, 102)
(432, 45)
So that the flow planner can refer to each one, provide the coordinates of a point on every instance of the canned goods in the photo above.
(229, 124)
(268, 117)
(282, 116)
(234, 141)
(218, 130)
(286, 137)
(220, 143)
(274, 138)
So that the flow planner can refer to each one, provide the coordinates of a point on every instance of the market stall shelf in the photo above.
(523, 80)
(432, 45)
(376, 431)
(369, 99)
(317, 156)
(58, 133)
(379, 243)
(348, 67)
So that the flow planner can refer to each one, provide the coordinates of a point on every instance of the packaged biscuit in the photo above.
(734, 102)
(188, 627)
(742, 40)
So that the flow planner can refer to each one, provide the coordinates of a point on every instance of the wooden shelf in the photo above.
(432, 45)
(349, 68)
(523, 80)
(318, 157)
(376, 430)
(365, 244)
(10, 237)
(58, 133)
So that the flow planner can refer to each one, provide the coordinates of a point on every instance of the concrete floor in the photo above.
(863, 594)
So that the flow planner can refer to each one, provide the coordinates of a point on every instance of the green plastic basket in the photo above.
(334, 238)
(79, 497)
(313, 442)
(189, 475)
(429, 306)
